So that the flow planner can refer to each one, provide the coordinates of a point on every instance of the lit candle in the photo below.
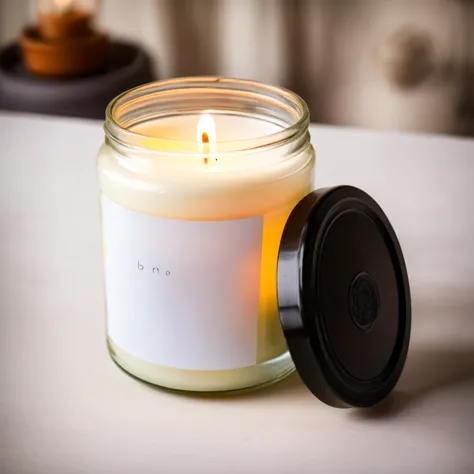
(191, 238)
(62, 6)
(214, 246)
(62, 19)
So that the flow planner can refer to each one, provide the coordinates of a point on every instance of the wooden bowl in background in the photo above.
(68, 57)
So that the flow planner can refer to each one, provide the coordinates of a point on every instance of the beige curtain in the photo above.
(326, 50)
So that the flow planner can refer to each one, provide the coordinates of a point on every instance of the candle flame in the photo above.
(206, 129)
(63, 3)
(206, 133)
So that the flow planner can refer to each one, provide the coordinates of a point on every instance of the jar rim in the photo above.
(293, 118)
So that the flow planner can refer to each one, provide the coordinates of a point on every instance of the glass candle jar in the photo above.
(198, 177)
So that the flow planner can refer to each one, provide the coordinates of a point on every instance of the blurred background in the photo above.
(397, 65)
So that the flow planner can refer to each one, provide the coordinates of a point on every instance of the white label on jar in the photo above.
(182, 294)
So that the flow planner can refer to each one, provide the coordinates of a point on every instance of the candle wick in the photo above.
(205, 139)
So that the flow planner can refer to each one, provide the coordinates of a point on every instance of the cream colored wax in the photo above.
(231, 187)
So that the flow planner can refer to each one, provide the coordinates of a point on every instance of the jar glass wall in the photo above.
(219, 207)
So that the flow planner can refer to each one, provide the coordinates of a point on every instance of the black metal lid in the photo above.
(344, 297)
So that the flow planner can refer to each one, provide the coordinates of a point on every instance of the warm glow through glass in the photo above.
(206, 127)
(62, 5)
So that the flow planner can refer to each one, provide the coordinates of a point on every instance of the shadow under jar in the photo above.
(223, 269)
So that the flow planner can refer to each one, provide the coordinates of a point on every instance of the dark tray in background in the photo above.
(127, 66)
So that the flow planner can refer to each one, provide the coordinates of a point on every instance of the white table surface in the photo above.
(66, 408)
